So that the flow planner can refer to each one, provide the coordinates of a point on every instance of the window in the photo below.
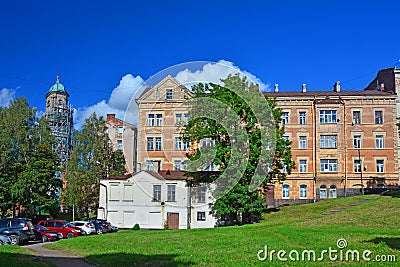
(149, 165)
(178, 143)
(328, 165)
(150, 143)
(357, 141)
(156, 192)
(171, 193)
(208, 141)
(357, 165)
(322, 191)
(286, 138)
(185, 165)
(186, 117)
(150, 120)
(303, 191)
(178, 117)
(201, 216)
(285, 117)
(328, 141)
(158, 143)
(159, 120)
(303, 165)
(379, 141)
(119, 144)
(302, 118)
(332, 191)
(285, 191)
(121, 130)
(169, 94)
(177, 165)
(303, 142)
(201, 194)
(356, 117)
(378, 117)
(380, 165)
(327, 116)
(211, 167)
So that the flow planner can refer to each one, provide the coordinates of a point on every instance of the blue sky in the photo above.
(98, 46)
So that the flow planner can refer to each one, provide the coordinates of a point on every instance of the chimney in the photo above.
(304, 88)
(276, 88)
(382, 87)
(110, 117)
(336, 87)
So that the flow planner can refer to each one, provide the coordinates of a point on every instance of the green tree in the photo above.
(242, 122)
(93, 157)
(27, 163)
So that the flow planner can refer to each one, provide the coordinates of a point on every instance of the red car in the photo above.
(64, 227)
(43, 234)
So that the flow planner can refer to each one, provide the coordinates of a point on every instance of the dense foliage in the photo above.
(27, 164)
(237, 117)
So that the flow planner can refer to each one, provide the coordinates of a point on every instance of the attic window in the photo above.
(169, 94)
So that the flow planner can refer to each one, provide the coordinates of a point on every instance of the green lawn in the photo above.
(16, 256)
(373, 225)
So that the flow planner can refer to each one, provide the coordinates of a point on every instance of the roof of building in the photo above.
(329, 93)
(58, 87)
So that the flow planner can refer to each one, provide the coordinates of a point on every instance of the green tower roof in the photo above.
(58, 87)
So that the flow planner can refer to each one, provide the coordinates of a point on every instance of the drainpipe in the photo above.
(314, 149)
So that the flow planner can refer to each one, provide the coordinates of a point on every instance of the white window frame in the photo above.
(357, 166)
(357, 141)
(379, 141)
(332, 191)
(120, 145)
(378, 119)
(201, 194)
(158, 144)
(329, 165)
(159, 119)
(171, 192)
(149, 165)
(328, 141)
(177, 165)
(169, 94)
(150, 143)
(303, 191)
(285, 191)
(303, 166)
(150, 120)
(156, 193)
(302, 142)
(380, 166)
(356, 119)
(302, 117)
(327, 117)
(201, 215)
(285, 117)
(323, 192)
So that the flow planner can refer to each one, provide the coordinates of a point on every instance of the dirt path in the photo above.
(57, 257)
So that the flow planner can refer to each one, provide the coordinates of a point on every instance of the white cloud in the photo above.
(117, 103)
(130, 87)
(6, 95)
(213, 72)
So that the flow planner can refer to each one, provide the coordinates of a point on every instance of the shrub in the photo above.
(136, 227)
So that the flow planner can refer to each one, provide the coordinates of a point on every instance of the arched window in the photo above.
(322, 192)
(285, 191)
(303, 191)
(332, 191)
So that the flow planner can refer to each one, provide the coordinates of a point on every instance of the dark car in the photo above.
(43, 234)
(102, 226)
(38, 218)
(64, 227)
(20, 230)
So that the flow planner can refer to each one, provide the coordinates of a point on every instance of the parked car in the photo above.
(43, 234)
(5, 240)
(86, 227)
(114, 228)
(102, 226)
(64, 227)
(38, 218)
(19, 230)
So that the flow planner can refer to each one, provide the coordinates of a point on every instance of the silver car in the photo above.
(86, 227)
(5, 240)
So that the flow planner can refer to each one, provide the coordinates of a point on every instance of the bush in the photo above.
(136, 227)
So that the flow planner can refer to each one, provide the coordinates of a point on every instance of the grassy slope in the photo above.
(16, 256)
(373, 225)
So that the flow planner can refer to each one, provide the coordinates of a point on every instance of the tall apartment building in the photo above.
(160, 108)
(343, 142)
(123, 136)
